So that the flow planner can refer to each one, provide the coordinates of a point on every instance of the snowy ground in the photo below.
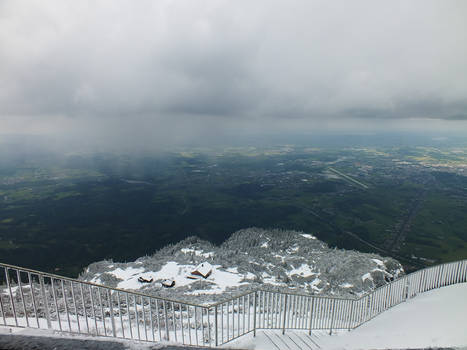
(434, 319)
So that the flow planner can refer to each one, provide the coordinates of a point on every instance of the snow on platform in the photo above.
(433, 319)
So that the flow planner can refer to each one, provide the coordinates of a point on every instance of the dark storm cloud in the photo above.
(169, 69)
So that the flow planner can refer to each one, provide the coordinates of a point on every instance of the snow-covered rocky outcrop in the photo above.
(250, 258)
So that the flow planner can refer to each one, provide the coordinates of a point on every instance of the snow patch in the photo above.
(303, 270)
(367, 276)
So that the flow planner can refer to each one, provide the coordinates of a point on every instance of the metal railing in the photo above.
(36, 299)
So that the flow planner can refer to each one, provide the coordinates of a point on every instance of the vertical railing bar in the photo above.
(452, 273)
(75, 306)
(254, 313)
(188, 321)
(93, 309)
(209, 327)
(294, 311)
(164, 304)
(111, 310)
(297, 311)
(320, 318)
(285, 314)
(351, 314)
(119, 305)
(129, 315)
(281, 311)
(233, 320)
(311, 315)
(181, 322)
(66, 305)
(46, 301)
(84, 307)
(249, 311)
(21, 294)
(274, 309)
(222, 323)
(151, 320)
(173, 321)
(268, 310)
(3, 310)
(227, 315)
(260, 308)
(158, 320)
(144, 319)
(302, 313)
(137, 317)
(238, 316)
(13, 308)
(216, 326)
(56, 304)
(99, 297)
(202, 327)
(31, 287)
(456, 280)
(244, 314)
(196, 327)
(271, 309)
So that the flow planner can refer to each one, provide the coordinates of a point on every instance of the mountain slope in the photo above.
(250, 258)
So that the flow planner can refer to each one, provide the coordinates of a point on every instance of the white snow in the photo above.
(367, 276)
(346, 285)
(265, 245)
(197, 252)
(303, 270)
(379, 263)
(293, 249)
(430, 320)
(315, 283)
(129, 276)
(219, 279)
(306, 235)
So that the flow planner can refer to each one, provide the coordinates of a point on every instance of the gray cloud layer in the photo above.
(172, 68)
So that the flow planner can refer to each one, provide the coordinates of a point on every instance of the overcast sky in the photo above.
(135, 71)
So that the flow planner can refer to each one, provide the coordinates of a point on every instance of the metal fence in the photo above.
(35, 299)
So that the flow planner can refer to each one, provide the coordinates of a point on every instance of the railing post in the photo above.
(167, 320)
(254, 315)
(12, 299)
(112, 319)
(332, 317)
(311, 315)
(407, 287)
(46, 302)
(351, 314)
(216, 326)
(285, 314)
(368, 307)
